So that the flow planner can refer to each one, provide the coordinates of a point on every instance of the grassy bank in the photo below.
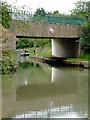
(46, 51)
(84, 57)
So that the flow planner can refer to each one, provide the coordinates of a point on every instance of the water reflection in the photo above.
(39, 91)
(23, 59)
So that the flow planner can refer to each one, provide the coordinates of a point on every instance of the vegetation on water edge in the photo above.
(8, 43)
(47, 52)
(7, 65)
(84, 57)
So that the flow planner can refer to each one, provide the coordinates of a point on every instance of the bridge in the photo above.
(63, 36)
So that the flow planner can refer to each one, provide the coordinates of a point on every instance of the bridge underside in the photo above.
(51, 37)
(65, 48)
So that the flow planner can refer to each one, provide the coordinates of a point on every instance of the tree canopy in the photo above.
(81, 9)
(5, 14)
(40, 12)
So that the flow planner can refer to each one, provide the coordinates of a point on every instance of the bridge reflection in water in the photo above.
(63, 94)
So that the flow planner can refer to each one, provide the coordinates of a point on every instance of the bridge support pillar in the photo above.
(66, 48)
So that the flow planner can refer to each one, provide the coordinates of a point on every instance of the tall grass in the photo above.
(84, 57)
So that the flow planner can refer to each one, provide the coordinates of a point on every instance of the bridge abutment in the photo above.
(65, 48)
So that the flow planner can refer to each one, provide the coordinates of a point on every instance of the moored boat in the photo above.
(24, 53)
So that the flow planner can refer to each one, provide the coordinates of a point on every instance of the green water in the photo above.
(40, 91)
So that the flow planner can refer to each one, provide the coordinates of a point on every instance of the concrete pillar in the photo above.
(66, 48)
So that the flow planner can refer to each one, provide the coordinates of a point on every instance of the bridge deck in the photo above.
(42, 30)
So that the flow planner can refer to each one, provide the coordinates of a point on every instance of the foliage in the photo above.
(39, 15)
(56, 12)
(81, 10)
(5, 14)
(10, 12)
(41, 43)
(85, 39)
(56, 17)
(49, 13)
(8, 50)
(8, 61)
(85, 57)
(26, 42)
(40, 12)
(45, 51)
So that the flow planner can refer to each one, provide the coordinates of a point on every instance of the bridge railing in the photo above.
(46, 19)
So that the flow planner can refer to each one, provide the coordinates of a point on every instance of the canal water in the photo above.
(38, 90)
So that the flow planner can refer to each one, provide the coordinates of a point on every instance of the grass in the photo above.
(85, 57)
(46, 51)
(45, 54)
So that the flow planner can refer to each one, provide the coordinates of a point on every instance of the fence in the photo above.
(47, 19)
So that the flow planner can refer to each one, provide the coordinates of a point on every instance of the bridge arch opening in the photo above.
(36, 46)
(61, 47)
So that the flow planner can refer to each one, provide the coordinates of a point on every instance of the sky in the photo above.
(63, 6)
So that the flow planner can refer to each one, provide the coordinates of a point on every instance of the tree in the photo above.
(25, 42)
(56, 12)
(39, 15)
(49, 13)
(5, 14)
(8, 50)
(81, 11)
(40, 12)
(85, 36)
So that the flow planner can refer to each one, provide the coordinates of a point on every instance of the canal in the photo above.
(38, 90)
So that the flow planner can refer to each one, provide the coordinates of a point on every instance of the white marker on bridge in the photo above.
(51, 31)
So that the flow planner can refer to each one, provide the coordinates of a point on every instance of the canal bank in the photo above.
(61, 61)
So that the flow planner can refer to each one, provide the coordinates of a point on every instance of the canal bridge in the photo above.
(63, 37)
